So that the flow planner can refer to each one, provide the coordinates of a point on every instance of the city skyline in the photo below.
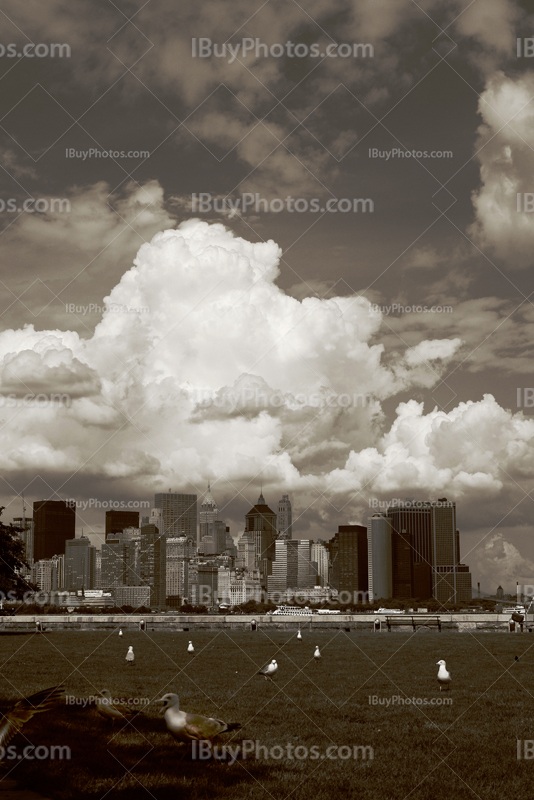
(208, 510)
(416, 555)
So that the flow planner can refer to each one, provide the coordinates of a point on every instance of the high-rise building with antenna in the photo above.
(284, 518)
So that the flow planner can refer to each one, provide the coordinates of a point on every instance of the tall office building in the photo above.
(179, 513)
(332, 546)
(98, 569)
(44, 575)
(177, 570)
(54, 523)
(59, 562)
(208, 575)
(284, 518)
(26, 536)
(261, 526)
(117, 521)
(412, 526)
(208, 514)
(224, 580)
(380, 562)
(292, 566)
(284, 573)
(246, 552)
(120, 560)
(319, 557)
(153, 564)
(426, 552)
(180, 551)
(80, 562)
(352, 568)
(451, 579)
(305, 571)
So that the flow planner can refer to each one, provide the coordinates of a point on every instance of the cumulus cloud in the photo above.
(505, 154)
(225, 374)
(502, 562)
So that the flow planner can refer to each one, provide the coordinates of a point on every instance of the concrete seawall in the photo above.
(179, 622)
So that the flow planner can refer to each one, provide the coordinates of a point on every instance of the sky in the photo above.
(271, 243)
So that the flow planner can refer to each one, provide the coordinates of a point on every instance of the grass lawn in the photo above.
(463, 750)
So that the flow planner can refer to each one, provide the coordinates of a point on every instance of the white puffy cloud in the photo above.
(222, 373)
(469, 453)
(505, 152)
(502, 562)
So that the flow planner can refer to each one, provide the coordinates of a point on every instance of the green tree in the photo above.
(12, 560)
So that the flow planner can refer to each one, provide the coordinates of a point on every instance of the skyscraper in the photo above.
(208, 575)
(284, 518)
(116, 521)
(179, 512)
(319, 557)
(426, 557)
(180, 551)
(44, 575)
(412, 549)
(332, 546)
(380, 564)
(208, 514)
(261, 525)
(292, 567)
(305, 571)
(80, 564)
(352, 561)
(26, 536)
(284, 573)
(153, 564)
(54, 523)
(246, 552)
(120, 559)
(451, 579)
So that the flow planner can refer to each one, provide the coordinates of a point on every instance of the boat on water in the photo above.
(293, 611)
(514, 610)
(390, 611)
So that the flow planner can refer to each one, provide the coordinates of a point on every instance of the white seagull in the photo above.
(317, 654)
(130, 655)
(269, 670)
(299, 635)
(110, 710)
(192, 727)
(120, 631)
(444, 677)
(190, 648)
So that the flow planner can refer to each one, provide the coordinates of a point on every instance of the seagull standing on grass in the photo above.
(269, 670)
(107, 709)
(192, 727)
(317, 654)
(190, 648)
(444, 677)
(130, 655)
(299, 636)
